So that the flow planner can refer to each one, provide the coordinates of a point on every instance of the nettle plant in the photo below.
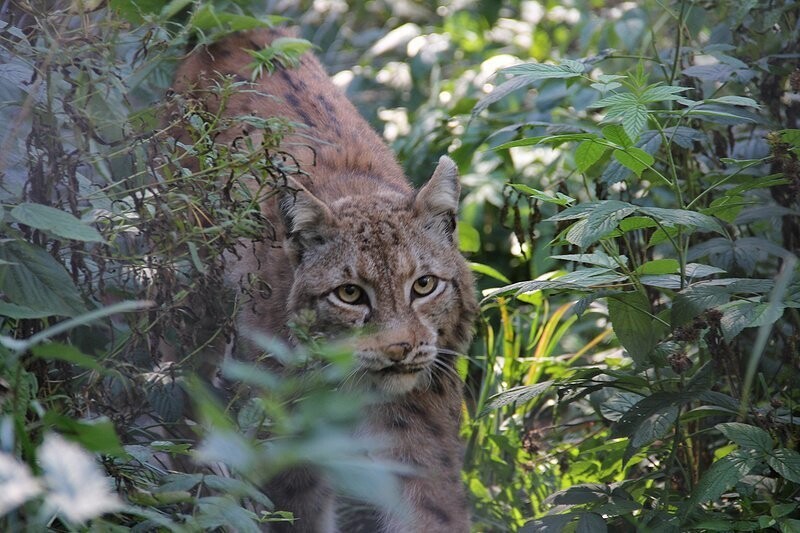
(682, 241)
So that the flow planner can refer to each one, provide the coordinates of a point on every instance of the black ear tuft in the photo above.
(437, 200)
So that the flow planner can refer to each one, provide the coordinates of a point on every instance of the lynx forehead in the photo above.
(372, 261)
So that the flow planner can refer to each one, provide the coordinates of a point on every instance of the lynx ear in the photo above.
(437, 200)
(306, 219)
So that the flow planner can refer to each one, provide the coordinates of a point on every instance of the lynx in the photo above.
(364, 253)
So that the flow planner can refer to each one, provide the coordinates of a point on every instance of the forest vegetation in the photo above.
(631, 178)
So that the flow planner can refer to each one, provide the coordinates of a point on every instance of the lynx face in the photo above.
(385, 271)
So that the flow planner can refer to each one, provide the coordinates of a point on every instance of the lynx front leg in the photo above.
(307, 495)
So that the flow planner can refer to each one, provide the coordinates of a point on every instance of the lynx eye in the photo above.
(425, 285)
(350, 294)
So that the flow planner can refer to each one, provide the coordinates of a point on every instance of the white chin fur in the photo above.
(397, 384)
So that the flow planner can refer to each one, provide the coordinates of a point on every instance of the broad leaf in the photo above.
(786, 462)
(746, 314)
(633, 324)
(55, 221)
(37, 281)
(721, 476)
(747, 436)
(588, 153)
(634, 159)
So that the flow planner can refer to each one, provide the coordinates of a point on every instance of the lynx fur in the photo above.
(366, 253)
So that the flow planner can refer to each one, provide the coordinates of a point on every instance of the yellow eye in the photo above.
(350, 294)
(425, 285)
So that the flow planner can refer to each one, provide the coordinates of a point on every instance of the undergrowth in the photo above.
(632, 190)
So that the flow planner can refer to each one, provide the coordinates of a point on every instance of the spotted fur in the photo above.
(354, 220)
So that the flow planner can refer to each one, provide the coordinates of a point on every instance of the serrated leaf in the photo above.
(661, 93)
(695, 299)
(747, 436)
(598, 257)
(37, 281)
(541, 71)
(55, 221)
(616, 134)
(615, 100)
(681, 217)
(501, 91)
(634, 121)
(516, 395)
(635, 159)
(747, 314)
(579, 494)
(721, 476)
(602, 219)
(587, 154)
(652, 428)
(786, 462)
(630, 317)
(618, 404)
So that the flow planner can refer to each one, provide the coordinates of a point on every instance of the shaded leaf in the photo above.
(630, 316)
(516, 395)
(786, 462)
(747, 436)
(55, 221)
(37, 281)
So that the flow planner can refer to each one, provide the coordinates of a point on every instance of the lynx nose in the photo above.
(397, 351)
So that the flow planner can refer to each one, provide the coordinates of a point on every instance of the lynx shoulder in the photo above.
(364, 252)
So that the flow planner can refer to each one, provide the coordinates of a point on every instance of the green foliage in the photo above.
(631, 179)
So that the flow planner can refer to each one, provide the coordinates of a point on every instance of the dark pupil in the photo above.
(424, 282)
(350, 290)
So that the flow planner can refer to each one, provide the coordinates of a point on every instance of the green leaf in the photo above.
(635, 159)
(786, 462)
(588, 153)
(14, 311)
(66, 352)
(734, 100)
(37, 281)
(558, 198)
(616, 134)
(547, 139)
(516, 395)
(541, 71)
(208, 20)
(654, 427)
(661, 93)
(659, 266)
(633, 324)
(469, 240)
(96, 435)
(634, 121)
(486, 270)
(55, 221)
(591, 523)
(695, 299)
(598, 257)
(681, 217)
(721, 476)
(746, 314)
(618, 100)
(602, 219)
(747, 436)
